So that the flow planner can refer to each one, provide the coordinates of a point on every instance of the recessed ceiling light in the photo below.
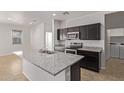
(33, 22)
(30, 23)
(54, 14)
(9, 18)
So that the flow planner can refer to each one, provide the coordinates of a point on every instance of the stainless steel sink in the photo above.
(46, 51)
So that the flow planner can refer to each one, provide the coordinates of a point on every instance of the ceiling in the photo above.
(33, 17)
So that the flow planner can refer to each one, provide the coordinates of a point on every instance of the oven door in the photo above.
(71, 51)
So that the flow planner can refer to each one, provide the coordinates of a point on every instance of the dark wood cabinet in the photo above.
(58, 34)
(75, 72)
(90, 61)
(83, 32)
(93, 32)
(87, 32)
(70, 29)
(62, 34)
(90, 32)
(76, 29)
(73, 29)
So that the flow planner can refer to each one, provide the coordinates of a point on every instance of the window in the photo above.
(16, 37)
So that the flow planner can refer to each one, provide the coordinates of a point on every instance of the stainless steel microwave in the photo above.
(73, 35)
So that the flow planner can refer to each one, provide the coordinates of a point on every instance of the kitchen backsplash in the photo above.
(90, 43)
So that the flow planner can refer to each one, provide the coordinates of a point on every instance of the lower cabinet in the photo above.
(90, 61)
(75, 72)
(115, 50)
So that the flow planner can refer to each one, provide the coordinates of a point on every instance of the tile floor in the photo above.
(11, 70)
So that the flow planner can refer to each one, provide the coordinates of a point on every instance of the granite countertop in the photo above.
(93, 49)
(53, 63)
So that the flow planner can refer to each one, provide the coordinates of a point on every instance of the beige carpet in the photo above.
(11, 68)
(114, 72)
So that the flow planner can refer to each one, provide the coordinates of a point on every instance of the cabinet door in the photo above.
(92, 63)
(58, 34)
(121, 51)
(64, 33)
(61, 34)
(70, 29)
(93, 32)
(114, 50)
(83, 33)
(90, 60)
(76, 29)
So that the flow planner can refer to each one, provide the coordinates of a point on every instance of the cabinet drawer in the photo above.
(87, 53)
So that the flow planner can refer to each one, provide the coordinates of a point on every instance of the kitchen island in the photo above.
(57, 66)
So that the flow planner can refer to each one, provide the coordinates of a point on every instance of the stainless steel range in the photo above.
(72, 48)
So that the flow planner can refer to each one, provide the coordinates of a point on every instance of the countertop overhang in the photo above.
(91, 49)
(53, 63)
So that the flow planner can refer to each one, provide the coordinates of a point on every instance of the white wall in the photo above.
(6, 46)
(90, 19)
(57, 25)
(37, 36)
(27, 43)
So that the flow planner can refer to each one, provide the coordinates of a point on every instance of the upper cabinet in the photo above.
(90, 32)
(70, 29)
(86, 32)
(93, 32)
(83, 33)
(76, 29)
(115, 32)
(62, 34)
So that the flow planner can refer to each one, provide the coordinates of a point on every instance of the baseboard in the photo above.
(26, 76)
(103, 68)
(6, 54)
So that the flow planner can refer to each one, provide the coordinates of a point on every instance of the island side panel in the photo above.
(35, 73)
(75, 72)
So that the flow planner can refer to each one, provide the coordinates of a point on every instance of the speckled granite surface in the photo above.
(92, 49)
(53, 63)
